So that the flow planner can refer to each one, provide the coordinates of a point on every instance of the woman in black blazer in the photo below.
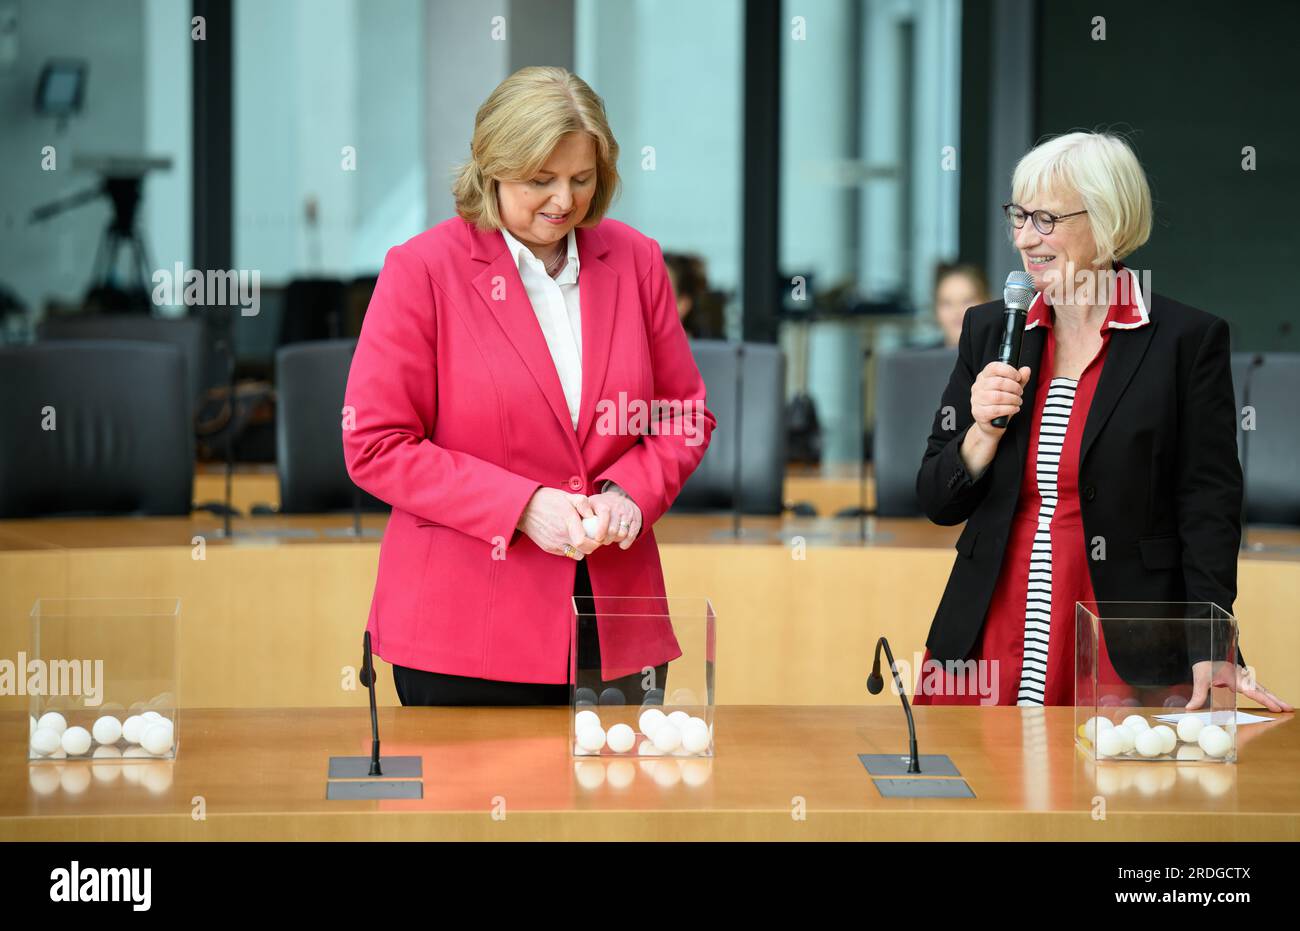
(1133, 489)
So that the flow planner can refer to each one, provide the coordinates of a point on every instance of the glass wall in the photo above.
(869, 189)
(328, 164)
(670, 73)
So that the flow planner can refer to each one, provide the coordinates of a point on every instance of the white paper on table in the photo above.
(1212, 717)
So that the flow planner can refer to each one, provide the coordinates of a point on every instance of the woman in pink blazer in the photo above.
(493, 402)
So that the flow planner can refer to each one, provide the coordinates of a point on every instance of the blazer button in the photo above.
(575, 483)
(1089, 493)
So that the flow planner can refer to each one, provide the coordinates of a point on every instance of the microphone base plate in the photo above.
(895, 764)
(358, 767)
(923, 788)
(370, 791)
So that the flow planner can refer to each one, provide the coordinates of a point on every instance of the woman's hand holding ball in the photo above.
(553, 520)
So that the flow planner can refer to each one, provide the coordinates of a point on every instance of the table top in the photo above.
(778, 773)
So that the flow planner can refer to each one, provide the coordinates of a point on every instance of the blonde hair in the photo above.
(1102, 168)
(515, 132)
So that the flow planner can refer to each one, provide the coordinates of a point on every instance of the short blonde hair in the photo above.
(1102, 168)
(518, 127)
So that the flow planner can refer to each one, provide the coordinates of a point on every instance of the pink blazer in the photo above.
(454, 415)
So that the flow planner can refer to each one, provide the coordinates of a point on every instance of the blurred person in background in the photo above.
(958, 287)
(698, 309)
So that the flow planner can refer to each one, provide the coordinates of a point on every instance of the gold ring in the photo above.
(569, 550)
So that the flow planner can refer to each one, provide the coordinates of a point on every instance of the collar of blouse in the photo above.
(564, 267)
(1128, 308)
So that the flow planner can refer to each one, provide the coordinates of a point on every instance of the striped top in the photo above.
(1038, 598)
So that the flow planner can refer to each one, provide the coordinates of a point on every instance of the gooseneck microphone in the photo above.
(367, 678)
(1017, 295)
(874, 685)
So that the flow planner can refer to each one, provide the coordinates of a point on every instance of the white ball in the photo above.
(585, 718)
(1214, 740)
(1149, 743)
(667, 737)
(157, 737)
(590, 525)
(591, 738)
(648, 748)
(54, 721)
(1167, 735)
(1127, 738)
(649, 720)
(152, 716)
(107, 730)
(1189, 729)
(133, 728)
(76, 741)
(679, 719)
(1093, 725)
(46, 740)
(695, 736)
(1136, 723)
(1109, 742)
(621, 738)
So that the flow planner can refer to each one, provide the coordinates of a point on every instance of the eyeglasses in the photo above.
(1044, 222)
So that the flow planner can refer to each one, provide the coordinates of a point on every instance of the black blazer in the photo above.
(1159, 477)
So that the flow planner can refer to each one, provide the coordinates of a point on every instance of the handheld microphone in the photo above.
(1017, 295)
(875, 682)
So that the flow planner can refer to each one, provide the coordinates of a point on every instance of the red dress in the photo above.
(1026, 645)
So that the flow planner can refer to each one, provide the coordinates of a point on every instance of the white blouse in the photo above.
(555, 301)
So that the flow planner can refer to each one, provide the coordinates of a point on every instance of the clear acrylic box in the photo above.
(1134, 659)
(101, 658)
(635, 664)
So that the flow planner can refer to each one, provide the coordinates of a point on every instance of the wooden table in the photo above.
(260, 774)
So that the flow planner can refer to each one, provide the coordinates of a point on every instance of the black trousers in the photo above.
(421, 687)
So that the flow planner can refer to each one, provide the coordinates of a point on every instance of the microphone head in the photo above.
(367, 674)
(875, 682)
(1018, 292)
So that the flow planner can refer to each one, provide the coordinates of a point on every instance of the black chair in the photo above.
(908, 386)
(314, 310)
(121, 440)
(311, 379)
(1270, 451)
(185, 333)
(760, 421)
